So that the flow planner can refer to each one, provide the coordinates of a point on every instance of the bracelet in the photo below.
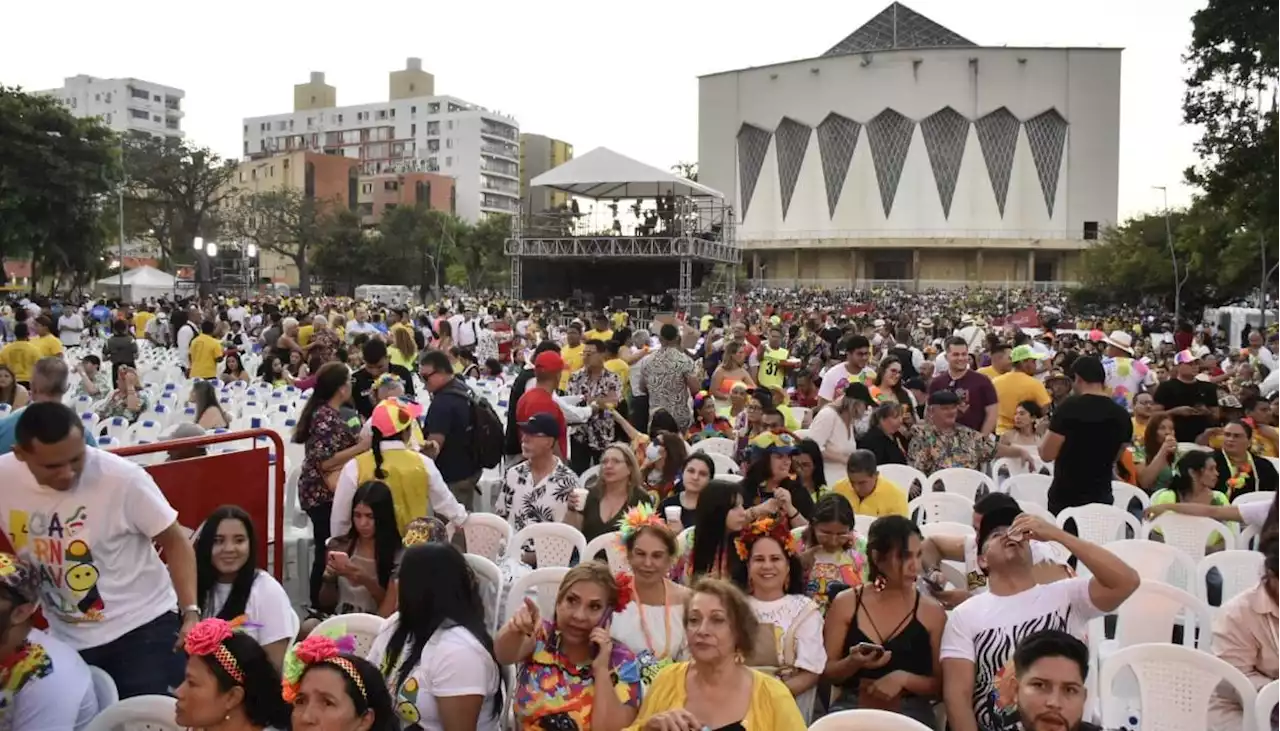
(793, 515)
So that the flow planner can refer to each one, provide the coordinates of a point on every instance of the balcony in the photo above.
(497, 167)
(500, 131)
(511, 152)
(495, 203)
(502, 187)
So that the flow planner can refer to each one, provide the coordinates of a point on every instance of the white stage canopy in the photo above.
(139, 284)
(603, 173)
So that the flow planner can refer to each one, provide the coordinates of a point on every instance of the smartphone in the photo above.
(871, 647)
(338, 557)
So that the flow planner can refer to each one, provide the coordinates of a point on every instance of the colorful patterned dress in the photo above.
(845, 567)
(554, 694)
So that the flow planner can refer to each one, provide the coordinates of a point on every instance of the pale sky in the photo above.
(621, 75)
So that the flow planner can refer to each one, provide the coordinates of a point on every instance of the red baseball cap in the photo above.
(548, 361)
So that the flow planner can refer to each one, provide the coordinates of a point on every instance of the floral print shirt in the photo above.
(324, 343)
(117, 405)
(721, 427)
(932, 450)
(597, 433)
(329, 435)
(522, 502)
(665, 374)
(552, 693)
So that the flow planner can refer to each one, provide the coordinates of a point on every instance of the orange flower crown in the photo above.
(764, 528)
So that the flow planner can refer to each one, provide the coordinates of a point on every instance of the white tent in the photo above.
(603, 173)
(139, 284)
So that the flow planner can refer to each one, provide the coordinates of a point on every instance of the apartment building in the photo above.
(414, 131)
(538, 154)
(381, 193)
(127, 106)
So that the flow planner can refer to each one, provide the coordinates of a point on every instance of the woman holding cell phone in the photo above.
(882, 638)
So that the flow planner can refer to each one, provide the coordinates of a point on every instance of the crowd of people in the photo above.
(775, 568)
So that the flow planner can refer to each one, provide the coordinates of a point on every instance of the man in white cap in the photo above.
(1126, 376)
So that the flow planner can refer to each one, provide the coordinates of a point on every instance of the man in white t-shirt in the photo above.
(70, 326)
(854, 369)
(981, 634)
(48, 684)
(90, 521)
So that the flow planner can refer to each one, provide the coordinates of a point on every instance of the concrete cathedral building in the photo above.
(908, 154)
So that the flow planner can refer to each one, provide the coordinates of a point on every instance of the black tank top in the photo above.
(909, 643)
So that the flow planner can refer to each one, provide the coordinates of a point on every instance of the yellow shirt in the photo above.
(1012, 389)
(623, 371)
(772, 706)
(619, 320)
(991, 372)
(603, 336)
(304, 334)
(886, 499)
(572, 362)
(1139, 432)
(205, 352)
(140, 322)
(48, 345)
(1261, 446)
(21, 357)
(771, 367)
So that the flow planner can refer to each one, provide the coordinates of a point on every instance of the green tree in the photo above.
(1231, 97)
(288, 223)
(346, 254)
(483, 253)
(686, 170)
(175, 192)
(421, 242)
(57, 173)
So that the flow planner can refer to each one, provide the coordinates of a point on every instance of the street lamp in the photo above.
(211, 249)
(252, 251)
(199, 243)
(1173, 257)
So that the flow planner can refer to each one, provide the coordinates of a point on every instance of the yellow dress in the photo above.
(772, 706)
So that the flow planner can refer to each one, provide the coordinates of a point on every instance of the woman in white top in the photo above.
(833, 428)
(436, 655)
(652, 624)
(230, 585)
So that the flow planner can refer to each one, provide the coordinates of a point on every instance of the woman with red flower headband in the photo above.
(563, 661)
(230, 683)
(333, 690)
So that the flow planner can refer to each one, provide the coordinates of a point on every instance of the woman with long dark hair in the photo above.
(230, 684)
(333, 690)
(807, 463)
(707, 547)
(438, 653)
(889, 379)
(769, 488)
(697, 473)
(883, 640)
(330, 444)
(416, 485)
(232, 367)
(885, 438)
(360, 565)
(831, 551)
(229, 583)
(209, 415)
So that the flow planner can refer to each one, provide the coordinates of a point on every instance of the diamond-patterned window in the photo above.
(889, 134)
(753, 143)
(998, 137)
(791, 143)
(1047, 136)
(945, 133)
(837, 139)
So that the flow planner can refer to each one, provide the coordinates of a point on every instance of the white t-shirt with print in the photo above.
(986, 628)
(837, 378)
(102, 576)
(1041, 552)
(453, 663)
(269, 612)
(811, 653)
(59, 698)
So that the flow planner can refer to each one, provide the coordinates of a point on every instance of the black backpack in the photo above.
(486, 433)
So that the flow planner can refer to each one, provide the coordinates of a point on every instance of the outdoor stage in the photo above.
(669, 246)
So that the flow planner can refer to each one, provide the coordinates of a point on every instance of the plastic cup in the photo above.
(579, 498)
(672, 512)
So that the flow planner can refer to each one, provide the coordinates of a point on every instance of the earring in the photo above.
(738, 659)
(878, 584)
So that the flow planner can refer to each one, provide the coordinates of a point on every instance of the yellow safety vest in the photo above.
(406, 477)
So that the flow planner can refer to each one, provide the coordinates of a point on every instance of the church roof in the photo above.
(897, 27)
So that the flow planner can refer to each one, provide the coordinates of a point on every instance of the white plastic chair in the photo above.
(1240, 571)
(588, 474)
(947, 528)
(1184, 447)
(553, 543)
(150, 712)
(104, 688)
(145, 430)
(1122, 494)
(936, 506)
(1268, 699)
(487, 535)
(1189, 533)
(487, 572)
(902, 475)
(543, 583)
(867, 719)
(1153, 610)
(862, 524)
(1100, 524)
(717, 445)
(117, 427)
(613, 550)
(1254, 497)
(1029, 488)
(960, 481)
(1011, 467)
(364, 628)
(1156, 562)
(724, 465)
(1174, 687)
(1036, 509)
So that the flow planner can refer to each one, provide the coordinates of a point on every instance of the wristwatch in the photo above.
(191, 609)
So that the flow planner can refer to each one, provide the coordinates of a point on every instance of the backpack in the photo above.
(485, 432)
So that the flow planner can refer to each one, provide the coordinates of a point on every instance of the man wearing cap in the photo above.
(940, 441)
(539, 489)
(48, 685)
(540, 397)
(1126, 376)
(1087, 434)
(1019, 385)
(981, 634)
(1189, 401)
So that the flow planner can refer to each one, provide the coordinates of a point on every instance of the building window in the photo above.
(1090, 230)
(448, 143)
(156, 98)
(155, 118)
(108, 118)
(412, 88)
(138, 114)
(433, 128)
(450, 124)
(272, 172)
(97, 97)
(366, 188)
(413, 130)
(448, 162)
(339, 119)
(286, 163)
(393, 113)
(138, 93)
(412, 110)
(391, 185)
(433, 108)
(246, 144)
(108, 97)
(365, 209)
(382, 114)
